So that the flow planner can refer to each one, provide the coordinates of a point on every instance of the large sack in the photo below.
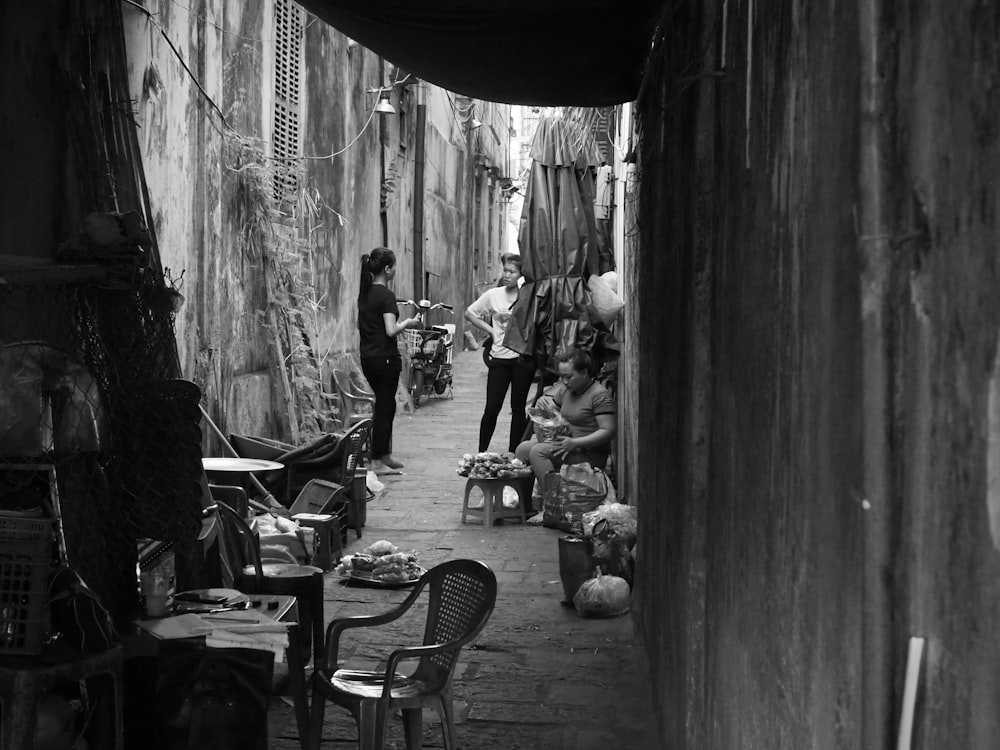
(570, 493)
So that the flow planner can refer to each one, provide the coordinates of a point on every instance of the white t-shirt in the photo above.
(494, 307)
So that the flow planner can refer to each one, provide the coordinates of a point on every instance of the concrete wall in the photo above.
(224, 336)
(789, 547)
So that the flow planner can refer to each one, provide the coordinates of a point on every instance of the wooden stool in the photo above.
(493, 507)
(24, 679)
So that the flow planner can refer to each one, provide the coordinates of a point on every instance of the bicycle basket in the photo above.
(413, 341)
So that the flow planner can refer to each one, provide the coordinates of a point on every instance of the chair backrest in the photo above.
(239, 545)
(317, 496)
(358, 438)
(355, 403)
(462, 594)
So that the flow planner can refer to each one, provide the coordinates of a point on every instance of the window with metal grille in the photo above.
(288, 34)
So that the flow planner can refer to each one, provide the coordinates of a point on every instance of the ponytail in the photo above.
(367, 277)
(372, 265)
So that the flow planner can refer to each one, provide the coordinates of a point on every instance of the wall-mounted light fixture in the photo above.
(384, 106)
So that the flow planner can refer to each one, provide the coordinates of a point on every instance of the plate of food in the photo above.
(382, 565)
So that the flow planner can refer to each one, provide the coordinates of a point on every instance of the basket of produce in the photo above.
(489, 465)
(381, 564)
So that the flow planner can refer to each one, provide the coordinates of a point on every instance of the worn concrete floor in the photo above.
(538, 676)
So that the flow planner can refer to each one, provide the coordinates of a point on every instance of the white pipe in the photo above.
(913, 659)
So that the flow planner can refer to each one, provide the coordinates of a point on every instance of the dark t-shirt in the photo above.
(374, 342)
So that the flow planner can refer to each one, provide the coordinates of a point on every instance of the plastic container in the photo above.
(25, 558)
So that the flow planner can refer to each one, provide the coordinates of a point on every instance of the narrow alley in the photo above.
(538, 676)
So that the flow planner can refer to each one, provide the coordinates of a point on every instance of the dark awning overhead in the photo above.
(544, 52)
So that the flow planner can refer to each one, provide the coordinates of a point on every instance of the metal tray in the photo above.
(361, 578)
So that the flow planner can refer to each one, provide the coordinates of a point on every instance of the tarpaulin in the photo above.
(544, 52)
(559, 249)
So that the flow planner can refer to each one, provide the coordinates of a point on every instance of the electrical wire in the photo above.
(150, 18)
(220, 28)
(368, 122)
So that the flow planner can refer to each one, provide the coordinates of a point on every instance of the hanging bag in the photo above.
(76, 618)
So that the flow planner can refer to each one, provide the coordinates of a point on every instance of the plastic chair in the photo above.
(461, 596)
(355, 403)
(341, 463)
(252, 575)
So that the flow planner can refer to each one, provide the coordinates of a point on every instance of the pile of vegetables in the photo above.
(381, 561)
(489, 465)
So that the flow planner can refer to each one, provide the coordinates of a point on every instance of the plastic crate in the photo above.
(25, 558)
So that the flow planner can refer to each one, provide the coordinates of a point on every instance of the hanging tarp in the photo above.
(559, 248)
(545, 52)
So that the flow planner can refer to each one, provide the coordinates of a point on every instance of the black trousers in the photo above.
(503, 374)
(382, 374)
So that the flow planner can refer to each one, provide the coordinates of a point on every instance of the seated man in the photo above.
(590, 410)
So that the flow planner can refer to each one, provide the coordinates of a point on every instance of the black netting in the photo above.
(89, 386)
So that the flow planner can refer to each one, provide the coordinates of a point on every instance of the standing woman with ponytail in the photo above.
(379, 324)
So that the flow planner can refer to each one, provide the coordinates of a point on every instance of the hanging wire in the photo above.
(216, 26)
(368, 122)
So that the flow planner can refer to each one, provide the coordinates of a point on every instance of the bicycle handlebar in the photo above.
(423, 308)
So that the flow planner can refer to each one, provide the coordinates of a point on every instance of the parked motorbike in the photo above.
(430, 350)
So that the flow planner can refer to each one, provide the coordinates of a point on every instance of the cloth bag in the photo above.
(75, 615)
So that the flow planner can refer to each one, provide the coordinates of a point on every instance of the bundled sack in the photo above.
(605, 300)
(621, 518)
(576, 489)
(611, 551)
(603, 596)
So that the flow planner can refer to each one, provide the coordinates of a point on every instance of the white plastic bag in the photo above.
(607, 304)
(620, 517)
(372, 482)
(603, 596)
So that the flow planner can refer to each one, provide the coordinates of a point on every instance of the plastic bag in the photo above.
(603, 596)
(620, 517)
(607, 304)
(570, 493)
(548, 422)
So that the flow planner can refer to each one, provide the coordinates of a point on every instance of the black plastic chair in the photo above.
(251, 575)
(461, 597)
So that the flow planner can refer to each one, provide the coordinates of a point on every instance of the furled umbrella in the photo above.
(559, 246)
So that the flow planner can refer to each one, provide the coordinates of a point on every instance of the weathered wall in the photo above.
(355, 161)
(776, 588)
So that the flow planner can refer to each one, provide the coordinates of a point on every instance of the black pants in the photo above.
(503, 374)
(382, 374)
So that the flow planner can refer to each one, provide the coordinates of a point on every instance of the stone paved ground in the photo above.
(538, 676)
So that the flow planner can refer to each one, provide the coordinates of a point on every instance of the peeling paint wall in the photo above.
(776, 589)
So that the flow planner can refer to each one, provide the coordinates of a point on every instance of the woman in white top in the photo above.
(507, 369)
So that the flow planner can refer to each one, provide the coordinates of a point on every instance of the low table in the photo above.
(493, 507)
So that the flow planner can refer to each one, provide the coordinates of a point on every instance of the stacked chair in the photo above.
(332, 457)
